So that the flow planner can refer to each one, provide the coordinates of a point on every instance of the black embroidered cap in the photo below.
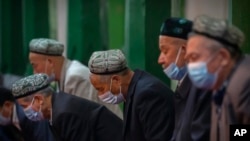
(176, 27)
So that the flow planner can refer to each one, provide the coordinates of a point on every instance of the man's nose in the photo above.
(161, 59)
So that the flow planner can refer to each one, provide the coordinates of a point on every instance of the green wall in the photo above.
(20, 22)
(143, 19)
(241, 18)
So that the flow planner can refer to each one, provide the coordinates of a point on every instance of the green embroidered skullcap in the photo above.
(107, 62)
(30, 85)
(46, 47)
(176, 27)
(219, 30)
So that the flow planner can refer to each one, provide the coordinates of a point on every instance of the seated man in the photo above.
(216, 62)
(72, 77)
(192, 105)
(72, 118)
(15, 125)
(149, 107)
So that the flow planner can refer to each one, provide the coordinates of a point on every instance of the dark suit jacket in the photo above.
(34, 131)
(149, 109)
(194, 110)
(77, 119)
(180, 100)
(235, 107)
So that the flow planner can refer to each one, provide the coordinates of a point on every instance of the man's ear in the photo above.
(38, 101)
(116, 79)
(225, 55)
(50, 62)
(184, 48)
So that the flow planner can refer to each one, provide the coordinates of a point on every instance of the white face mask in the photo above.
(109, 97)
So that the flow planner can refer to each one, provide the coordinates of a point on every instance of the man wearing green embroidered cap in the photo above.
(192, 106)
(71, 76)
(215, 62)
(71, 118)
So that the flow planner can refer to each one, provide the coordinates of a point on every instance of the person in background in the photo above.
(71, 118)
(73, 77)
(192, 105)
(216, 62)
(8, 132)
(6, 80)
(149, 107)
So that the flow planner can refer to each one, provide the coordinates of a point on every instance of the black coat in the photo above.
(149, 109)
(193, 108)
(10, 133)
(78, 119)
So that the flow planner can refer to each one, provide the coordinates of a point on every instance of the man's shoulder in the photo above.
(75, 68)
(149, 85)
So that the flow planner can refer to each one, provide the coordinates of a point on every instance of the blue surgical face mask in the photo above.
(109, 97)
(173, 71)
(200, 76)
(4, 120)
(32, 114)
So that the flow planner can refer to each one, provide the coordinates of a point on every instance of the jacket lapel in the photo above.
(184, 88)
(66, 65)
(129, 100)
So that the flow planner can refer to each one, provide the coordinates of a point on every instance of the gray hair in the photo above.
(47, 91)
(234, 52)
(107, 78)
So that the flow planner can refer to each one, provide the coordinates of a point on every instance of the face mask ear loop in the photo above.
(110, 85)
(178, 55)
(51, 116)
(40, 109)
(33, 99)
(46, 65)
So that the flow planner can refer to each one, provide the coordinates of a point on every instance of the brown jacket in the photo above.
(235, 107)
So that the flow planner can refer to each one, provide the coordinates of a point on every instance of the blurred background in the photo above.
(85, 26)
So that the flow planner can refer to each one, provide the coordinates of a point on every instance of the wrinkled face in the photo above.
(169, 47)
(37, 102)
(40, 63)
(201, 49)
(103, 86)
(24, 102)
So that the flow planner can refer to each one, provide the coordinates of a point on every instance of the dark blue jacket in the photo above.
(149, 109)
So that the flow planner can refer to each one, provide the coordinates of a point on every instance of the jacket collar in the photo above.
(129, 99)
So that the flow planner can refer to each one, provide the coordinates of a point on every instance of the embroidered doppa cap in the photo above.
(218, 29)
(46, 47)
(176, 27)
(107, 62)
(30, 85)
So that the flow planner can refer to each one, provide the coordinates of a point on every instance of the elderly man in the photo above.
(192, 106)
(15, 126)
(72, 118)
(216, 63)
(73, 77)
(149, 109)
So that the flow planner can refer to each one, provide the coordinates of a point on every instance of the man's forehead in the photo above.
(36, 56)
(166, 40)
